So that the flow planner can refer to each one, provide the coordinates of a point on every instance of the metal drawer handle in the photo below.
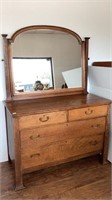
(36, 154)
(94, 143)
(34, 137)
(44, 118)
(95, 126)
(88, 112)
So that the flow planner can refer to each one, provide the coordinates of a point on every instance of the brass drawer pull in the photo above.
(88, 112)
(93, 143)
(44, 118)
(95, 126)
(34, 137)
(36, 154)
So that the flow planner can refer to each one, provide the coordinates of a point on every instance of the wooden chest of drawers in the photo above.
(47, 147)
(56, 133)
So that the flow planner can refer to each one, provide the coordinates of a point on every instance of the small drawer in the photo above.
(42, 119)
(86, 113)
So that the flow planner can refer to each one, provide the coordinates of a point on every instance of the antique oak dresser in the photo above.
(53, 126)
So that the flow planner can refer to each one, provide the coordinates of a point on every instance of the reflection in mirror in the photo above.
(38, 72)
(46, 59)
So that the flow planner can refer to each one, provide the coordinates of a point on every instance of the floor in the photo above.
(83, 179)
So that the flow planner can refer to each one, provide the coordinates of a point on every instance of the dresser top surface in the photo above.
(27, 107)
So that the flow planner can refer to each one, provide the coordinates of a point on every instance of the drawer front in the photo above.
(48, 145)
(62, 150)
(42, 119)
(86, 113)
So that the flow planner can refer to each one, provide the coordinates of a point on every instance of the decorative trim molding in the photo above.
(102, 64)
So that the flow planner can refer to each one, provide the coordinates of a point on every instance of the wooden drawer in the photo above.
(62, 150)
(86, 113)
(42, 119)
(53, 143)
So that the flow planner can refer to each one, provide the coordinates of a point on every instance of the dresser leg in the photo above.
(104, 159)
(18, 166)
(106, 138)
(19, 184)
(19, 187)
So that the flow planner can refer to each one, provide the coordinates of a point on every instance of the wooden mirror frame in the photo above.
(10, 94)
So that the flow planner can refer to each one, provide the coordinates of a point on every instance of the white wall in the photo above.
(89, 18)
(110, 30)
(100, 83)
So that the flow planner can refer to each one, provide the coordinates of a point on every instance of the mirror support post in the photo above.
(10, 68)
(6, 67)
(86, 61)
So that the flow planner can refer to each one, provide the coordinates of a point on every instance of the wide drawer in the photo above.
(46, 145)
(62, 150)
(42, 119)
(86, 113)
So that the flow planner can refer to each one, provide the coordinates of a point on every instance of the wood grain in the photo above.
(42, 119)
(17, 145)
(106, 137)
(78, 180)
(102, 64)
(87, 113)
(47, 133)
(62, 150)
(6, 66)
(26, 107)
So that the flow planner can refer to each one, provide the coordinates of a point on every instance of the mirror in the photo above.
(46, 59)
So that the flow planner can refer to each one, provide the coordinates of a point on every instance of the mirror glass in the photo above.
(46, 59)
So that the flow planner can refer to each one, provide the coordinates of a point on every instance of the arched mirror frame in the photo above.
(10, 90)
